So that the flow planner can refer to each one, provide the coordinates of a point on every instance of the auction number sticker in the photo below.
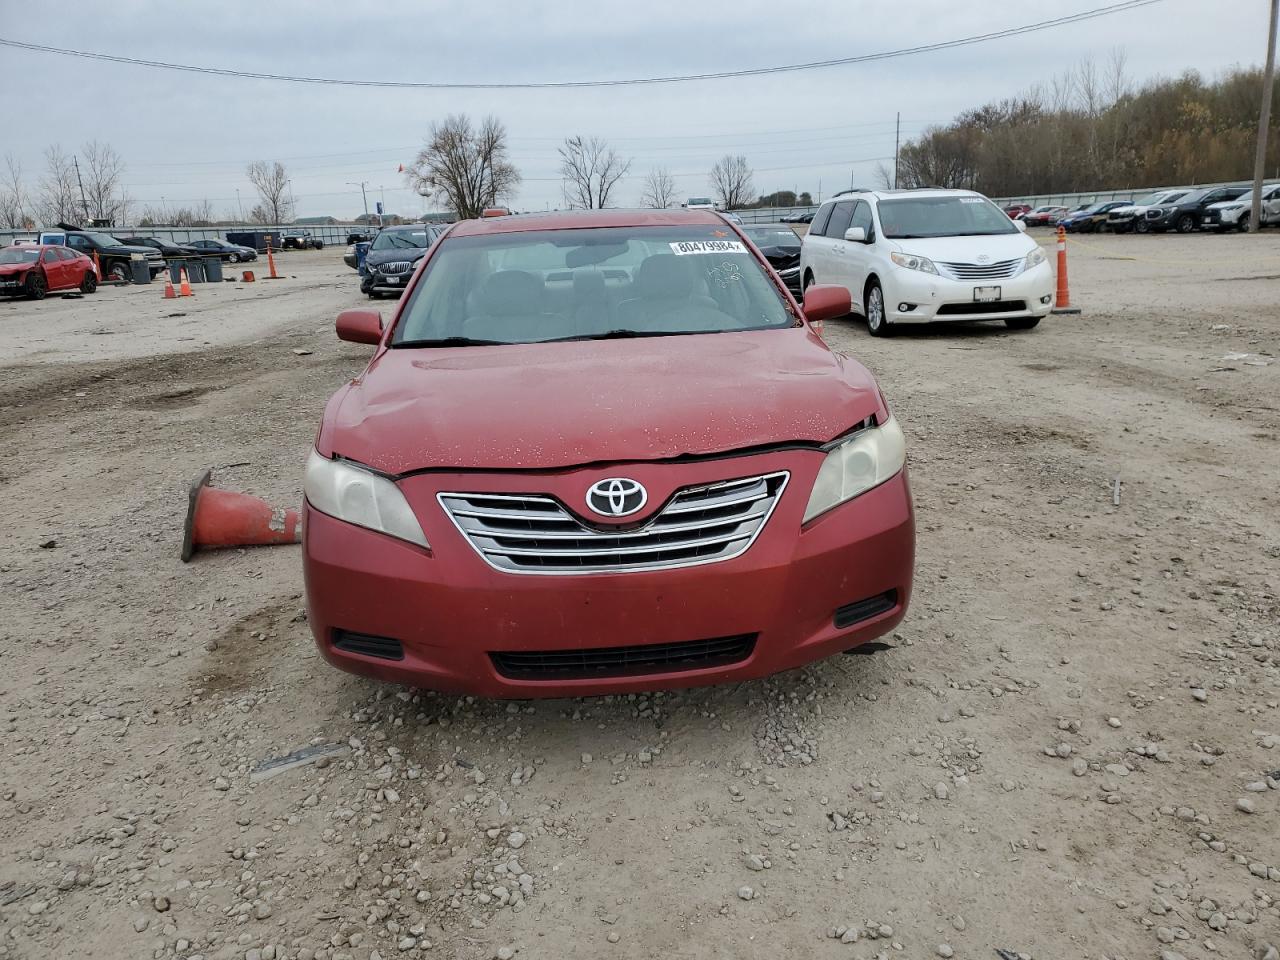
(683, 248)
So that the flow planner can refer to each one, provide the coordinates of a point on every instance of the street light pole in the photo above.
(361, 185)
(1264, 122)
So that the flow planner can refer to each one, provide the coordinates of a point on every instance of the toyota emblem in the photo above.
(984, 258)
(617, 497)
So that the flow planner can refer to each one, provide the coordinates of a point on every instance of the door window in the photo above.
(840, 218)
(80, 243)
(820, 219)
(50, 256)
(862, 218)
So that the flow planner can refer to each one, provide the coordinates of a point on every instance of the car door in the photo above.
(54, 271)
(72, 265)
(813, 248)
(858, 256)
(837, 247)
(81, 245)
(1271, 204)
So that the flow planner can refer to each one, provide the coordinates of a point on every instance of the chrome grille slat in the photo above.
(536, 534)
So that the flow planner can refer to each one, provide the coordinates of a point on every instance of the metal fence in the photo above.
(332, 234)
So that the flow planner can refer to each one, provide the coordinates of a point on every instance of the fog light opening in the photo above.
(1046, 299)
(905, 307)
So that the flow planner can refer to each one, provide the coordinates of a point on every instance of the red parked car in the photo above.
(597, 452)
(34, 269)
(1017, 210)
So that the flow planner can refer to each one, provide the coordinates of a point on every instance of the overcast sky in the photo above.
(186, 137)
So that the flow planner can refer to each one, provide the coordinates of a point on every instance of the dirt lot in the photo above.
(1066, 756)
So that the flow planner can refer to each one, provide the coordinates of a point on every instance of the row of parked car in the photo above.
(1179, 209)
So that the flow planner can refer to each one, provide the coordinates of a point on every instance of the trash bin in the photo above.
(175, 269)
(213, 269)
(362, 251)
(140, 271)
(195, 270)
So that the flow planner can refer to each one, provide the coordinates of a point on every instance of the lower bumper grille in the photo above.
(603, 662)
(384, 648)
(969, 309)
(854, 613)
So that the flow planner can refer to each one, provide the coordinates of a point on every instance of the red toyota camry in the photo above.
(601, 452)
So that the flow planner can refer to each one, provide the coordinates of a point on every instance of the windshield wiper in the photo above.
(623, 334)
(452, 342)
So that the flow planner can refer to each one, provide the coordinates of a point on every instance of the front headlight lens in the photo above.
(861, 463)
(1034, 258)
(912, 262)
(348, 492)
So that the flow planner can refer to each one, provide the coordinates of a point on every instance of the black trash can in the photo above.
(213, 269)
(195, 270)
(140, 271)
(175, 269)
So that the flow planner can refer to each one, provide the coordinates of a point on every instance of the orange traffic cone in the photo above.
(169, 292)
(248, 276)
(186, 284)
(224, 518)
(1063, 302)
(271, 264)
(97, 265)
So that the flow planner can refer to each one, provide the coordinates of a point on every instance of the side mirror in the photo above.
(827, 301)
(856, 234)
(1021, 225)
(360, 326)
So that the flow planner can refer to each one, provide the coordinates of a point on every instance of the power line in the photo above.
(1113, 8)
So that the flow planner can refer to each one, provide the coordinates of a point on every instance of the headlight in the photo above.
(912, 262)
(1034, 258)
(1234, 206)
(858, 464)
(359, 496)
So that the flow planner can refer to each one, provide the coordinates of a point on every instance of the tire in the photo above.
(1186, 223)
(36, 286)
(806, 283)
(89, 283)
(1021, 323)
(873, 309)
(234, 258)
(1243, 223)
(375, 295)
(319, 244)
(118, 271)
(1141, 225)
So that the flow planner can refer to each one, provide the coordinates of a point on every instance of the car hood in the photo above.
(132, 248)
(554, 405)
(1223, 204)
(1004, 246)
(8, 268)
(375, 257)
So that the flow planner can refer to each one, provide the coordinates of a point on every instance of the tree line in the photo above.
(1092, 128)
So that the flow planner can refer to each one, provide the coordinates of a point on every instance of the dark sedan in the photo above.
(1093, 217)
(232, 252)
(781, 247)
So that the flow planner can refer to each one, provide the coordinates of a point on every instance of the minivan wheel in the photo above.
(877, 323)
(806, 283)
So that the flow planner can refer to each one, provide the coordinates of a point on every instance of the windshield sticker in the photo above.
(687, 247)
(971, 200)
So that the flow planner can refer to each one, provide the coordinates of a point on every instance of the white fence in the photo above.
(331, 234)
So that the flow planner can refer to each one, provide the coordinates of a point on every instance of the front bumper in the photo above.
(935, 299)
(452, 612)
(791, 277)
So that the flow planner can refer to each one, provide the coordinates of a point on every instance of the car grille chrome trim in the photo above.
(999, 270)
(394, 267)
(536, 534)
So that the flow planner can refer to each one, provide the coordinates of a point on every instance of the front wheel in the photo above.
(37, 286)
(234, 258)
(118, 271)
(1021, 323)
(1243, 223)
(89, 282)
(1141, 226)
(877, 323)
(1186, 223)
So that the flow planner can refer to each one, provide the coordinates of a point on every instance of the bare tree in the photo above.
(59, 199)
(272, 183)
(591, 169)
(732, 181)
(101, 172)
(13, 195)
(465, 167)
(884, 175)
(659, 189)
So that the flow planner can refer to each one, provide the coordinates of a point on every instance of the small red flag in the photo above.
(401, 170)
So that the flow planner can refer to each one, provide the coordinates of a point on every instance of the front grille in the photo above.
(785, 261)
(603, 662)
(852, 613)
(394, 268)
(965, 309)
(384, 648)
(534, 533)
(999, 270)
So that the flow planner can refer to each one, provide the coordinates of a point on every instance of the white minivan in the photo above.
(927, 256)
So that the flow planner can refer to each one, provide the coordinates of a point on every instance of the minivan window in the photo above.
(840, 219)
(862, 218)
(943, 216)
(819, 222)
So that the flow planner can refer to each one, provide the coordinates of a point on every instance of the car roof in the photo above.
(584, 219)
(924, 192)
(41, 246)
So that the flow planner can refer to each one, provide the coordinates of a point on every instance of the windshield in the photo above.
(102, 239)
(401, 240)
(951, 216)
(772, 236)
(700, 202)
(19, 256)
(588, 284)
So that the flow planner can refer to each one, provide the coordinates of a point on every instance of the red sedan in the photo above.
(602, 452)
(33, 270)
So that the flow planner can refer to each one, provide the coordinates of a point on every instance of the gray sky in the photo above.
(186, 137)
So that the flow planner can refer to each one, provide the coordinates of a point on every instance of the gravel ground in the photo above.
(1073, 751)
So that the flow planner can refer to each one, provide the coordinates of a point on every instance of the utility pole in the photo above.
(897, 139)
(361, 185)
(85, 203)
(1264, 122)
(239, 205)
(293, 204)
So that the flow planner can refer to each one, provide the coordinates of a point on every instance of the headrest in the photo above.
(510, 292)
(663, 276)
(588, 283)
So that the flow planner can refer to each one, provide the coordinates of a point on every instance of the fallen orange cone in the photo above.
(224, 518)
